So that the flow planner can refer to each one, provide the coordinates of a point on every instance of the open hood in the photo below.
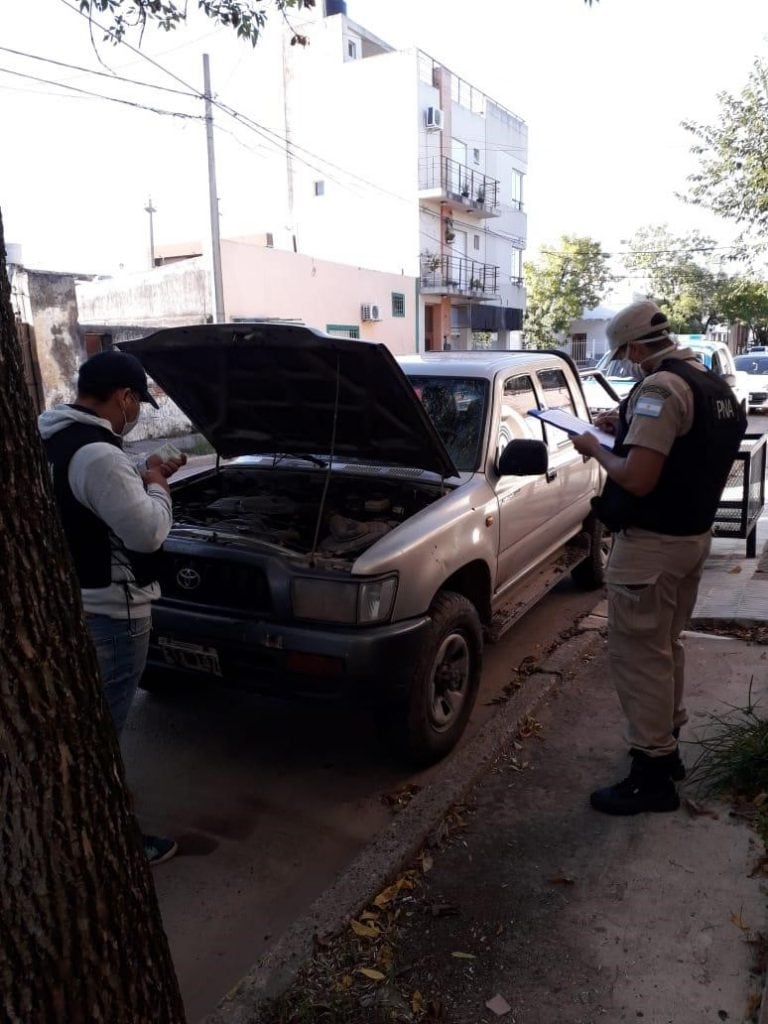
(258, 388)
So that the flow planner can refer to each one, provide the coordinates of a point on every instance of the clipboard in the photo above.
(572, 425)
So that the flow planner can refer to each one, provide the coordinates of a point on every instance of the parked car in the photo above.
(375, 522)
(755, 365)
(620, 374)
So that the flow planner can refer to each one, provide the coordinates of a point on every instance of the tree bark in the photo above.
(81, 939)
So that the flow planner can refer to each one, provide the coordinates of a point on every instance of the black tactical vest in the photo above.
(686, 497)
(89, 538)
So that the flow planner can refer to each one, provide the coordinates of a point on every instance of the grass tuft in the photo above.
(734, 753)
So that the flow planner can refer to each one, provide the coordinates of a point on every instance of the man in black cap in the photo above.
(116, 517)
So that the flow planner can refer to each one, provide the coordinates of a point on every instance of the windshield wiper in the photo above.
(277, 459)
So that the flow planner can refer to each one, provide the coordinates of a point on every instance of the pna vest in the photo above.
(88, 537)
(685, 499)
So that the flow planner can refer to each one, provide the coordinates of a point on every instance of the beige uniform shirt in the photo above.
(659, 411)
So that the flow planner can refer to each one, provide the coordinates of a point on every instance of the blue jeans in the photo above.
(121, 649)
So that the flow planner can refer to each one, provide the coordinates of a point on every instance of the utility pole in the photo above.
(149, 208)
(218, 288)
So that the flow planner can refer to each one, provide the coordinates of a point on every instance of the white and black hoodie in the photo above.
(107, 482)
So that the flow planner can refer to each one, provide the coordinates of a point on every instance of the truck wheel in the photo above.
(444, 684)
(590, 574)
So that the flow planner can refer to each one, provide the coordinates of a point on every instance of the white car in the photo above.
(717, 357)
(755, 365)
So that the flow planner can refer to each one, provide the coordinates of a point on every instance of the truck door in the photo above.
(527, 504)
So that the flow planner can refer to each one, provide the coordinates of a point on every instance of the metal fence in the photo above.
(744, 493)
(458, 274)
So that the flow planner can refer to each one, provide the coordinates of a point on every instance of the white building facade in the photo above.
(395, 164)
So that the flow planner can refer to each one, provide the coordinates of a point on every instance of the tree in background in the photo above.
(732, 179)
(683, 274)
(81, 939)
(745, 301)
(562, 283)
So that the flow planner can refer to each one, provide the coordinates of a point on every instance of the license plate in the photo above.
(191, 657)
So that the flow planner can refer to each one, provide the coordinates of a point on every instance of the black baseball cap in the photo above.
(106, 371)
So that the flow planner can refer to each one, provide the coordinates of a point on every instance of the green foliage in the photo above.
(246, 17)
(683, 274)
(734, 752)
(732, 179)
(745, 301)
(560, 285)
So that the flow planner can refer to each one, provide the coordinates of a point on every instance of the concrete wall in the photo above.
(164, 297)
(266, 283)
(47, 301)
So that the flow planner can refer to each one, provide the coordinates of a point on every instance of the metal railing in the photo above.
(458, 275)
(473, 188)
(466, 95)
(744, 493)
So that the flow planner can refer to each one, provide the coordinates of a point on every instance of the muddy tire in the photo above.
(443, 686)
(590, 574)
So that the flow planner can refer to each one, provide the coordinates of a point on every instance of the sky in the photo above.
(603, 90)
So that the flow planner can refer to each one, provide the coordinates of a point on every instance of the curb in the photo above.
(398, 843)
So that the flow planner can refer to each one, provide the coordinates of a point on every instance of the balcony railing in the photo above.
(465, 186)
(457, 275)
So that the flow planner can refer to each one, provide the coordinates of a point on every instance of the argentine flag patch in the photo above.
(647, 406)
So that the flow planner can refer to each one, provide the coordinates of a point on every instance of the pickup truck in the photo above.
(367, 525)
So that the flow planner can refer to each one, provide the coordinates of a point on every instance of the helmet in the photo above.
(642, 321)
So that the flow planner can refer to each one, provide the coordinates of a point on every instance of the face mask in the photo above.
(129, 424)
(640, 367)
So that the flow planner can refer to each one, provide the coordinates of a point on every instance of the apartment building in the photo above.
(395, 163)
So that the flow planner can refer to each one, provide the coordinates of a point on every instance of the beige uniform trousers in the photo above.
(653, 580)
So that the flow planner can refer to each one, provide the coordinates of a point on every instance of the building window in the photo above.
(398, 304)
(319, 188)
(343, 330)
(270, 240)
(517, 189)
(516, 266)
(476, 242)
(352, 49)
(557, 395)
(578, 347)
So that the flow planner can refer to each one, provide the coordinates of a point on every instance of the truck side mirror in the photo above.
(524, 458)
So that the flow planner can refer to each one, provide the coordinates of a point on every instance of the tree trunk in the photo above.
(81, 940)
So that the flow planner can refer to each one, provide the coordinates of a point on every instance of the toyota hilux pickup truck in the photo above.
(369, 523)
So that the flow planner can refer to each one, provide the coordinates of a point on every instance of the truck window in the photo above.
(519, 398)
(557, 395)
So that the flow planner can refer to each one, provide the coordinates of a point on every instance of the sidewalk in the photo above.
(733, 587)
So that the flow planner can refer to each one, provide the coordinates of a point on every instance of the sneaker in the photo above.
(648, 787)
(158, 849)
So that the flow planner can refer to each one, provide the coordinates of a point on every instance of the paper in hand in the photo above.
(572, 425)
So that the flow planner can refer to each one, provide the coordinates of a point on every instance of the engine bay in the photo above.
(281, 507)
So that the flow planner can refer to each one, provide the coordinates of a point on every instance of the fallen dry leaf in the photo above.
(370, 972)
(427, 863)
(401, 796)
(760, 799)
(738, 920)
(417, 1002)
(345, 982)
(365, 931)
(562, 879)
(734, 570)
(387, 895)
(464, 956)
(696, 809)
(498, 1005)
(369, 915)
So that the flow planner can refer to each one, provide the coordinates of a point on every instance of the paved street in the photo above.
(270, 801)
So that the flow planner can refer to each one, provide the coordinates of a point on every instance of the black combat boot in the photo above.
(677, 768)
(648, 787)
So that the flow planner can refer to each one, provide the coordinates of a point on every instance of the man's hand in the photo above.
(167, 467)
(586, 444)
(607, 421)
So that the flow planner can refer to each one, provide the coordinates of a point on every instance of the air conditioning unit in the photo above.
(433, 118)
(370, 311)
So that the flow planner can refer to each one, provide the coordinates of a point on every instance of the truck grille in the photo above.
(215, 582)
(758, 396)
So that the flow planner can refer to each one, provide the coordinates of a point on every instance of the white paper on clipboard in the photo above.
(572, 425)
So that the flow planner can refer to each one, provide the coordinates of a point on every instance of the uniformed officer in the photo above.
(677, 434)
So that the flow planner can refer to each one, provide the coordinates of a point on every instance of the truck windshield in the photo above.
(456, 406)
(622, 368)
(752, 364)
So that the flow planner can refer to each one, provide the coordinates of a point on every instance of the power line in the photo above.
(102, 96)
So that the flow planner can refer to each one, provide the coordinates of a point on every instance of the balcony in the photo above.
(459, 185)
(457, 275)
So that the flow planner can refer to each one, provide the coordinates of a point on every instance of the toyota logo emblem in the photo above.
(188, 579)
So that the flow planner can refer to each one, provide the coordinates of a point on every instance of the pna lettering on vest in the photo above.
(724, 409)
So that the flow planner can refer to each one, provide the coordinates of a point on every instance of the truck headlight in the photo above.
(360, 602)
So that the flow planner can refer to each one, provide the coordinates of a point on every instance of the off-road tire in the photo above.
(430, 723)
(590, 574)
